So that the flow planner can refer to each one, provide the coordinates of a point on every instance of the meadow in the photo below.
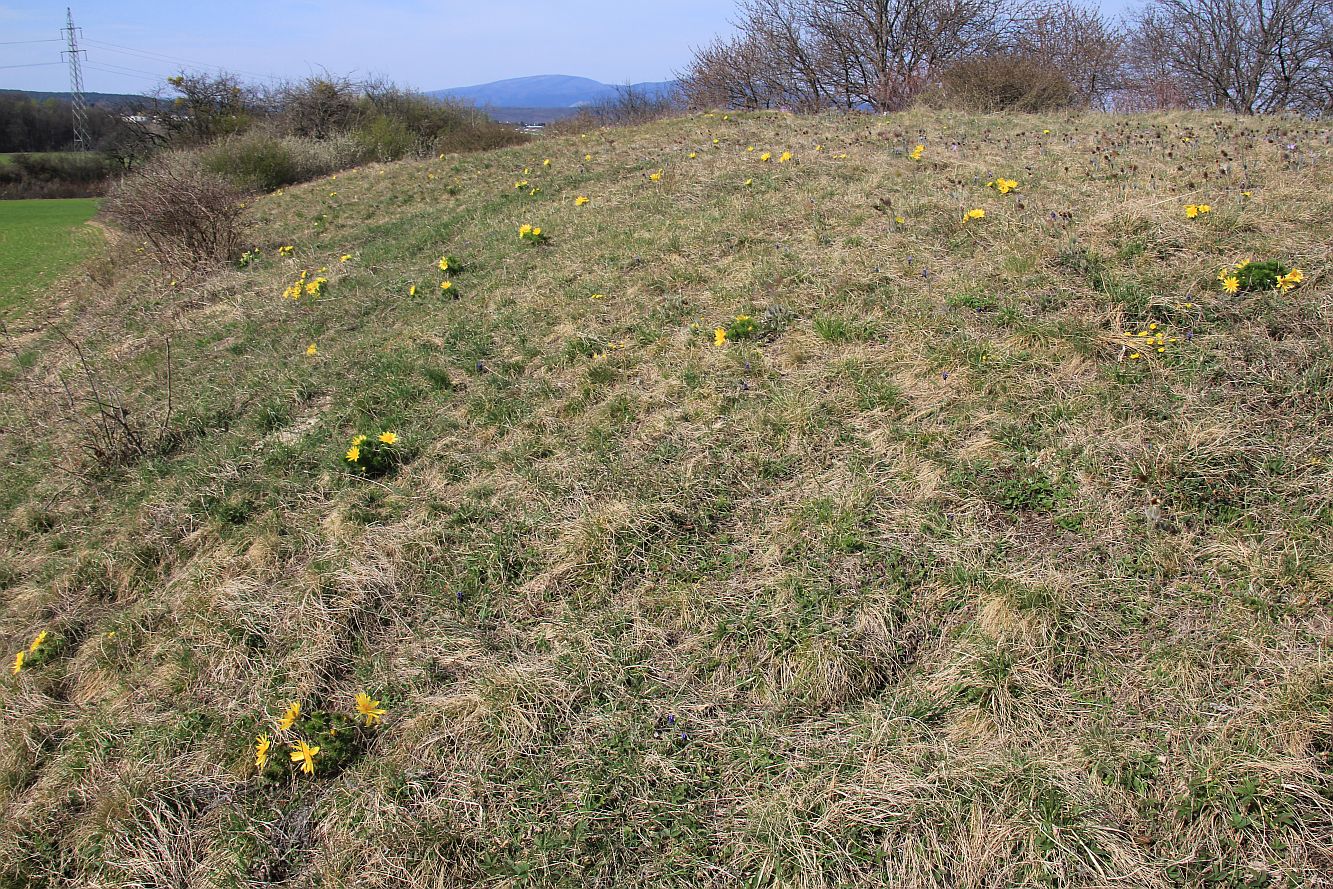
(40, 239)
(930, 500)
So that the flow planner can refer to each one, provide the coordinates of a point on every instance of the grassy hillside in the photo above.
(38, 241)
(969, 553)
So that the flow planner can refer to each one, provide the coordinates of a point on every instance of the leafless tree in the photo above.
(1247, 56)
(1079, 42)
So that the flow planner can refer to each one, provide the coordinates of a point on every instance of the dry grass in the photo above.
(928, 584)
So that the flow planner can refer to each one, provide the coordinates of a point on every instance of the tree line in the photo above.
(1244, 56)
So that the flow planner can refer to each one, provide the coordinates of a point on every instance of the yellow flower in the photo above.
(37, 642)
(369, 709)
(917, 152)
(655, 177)
(262, 743)
(443, 263)
(976, 213)
(289, 718)
(580, 200)
(536, 231)
(1231, 284)
(286, 251)
(785, 156)
(751, 148)
(412, 290)
(305, 755)
(311, 350)
(547, 162)
(446, 285)
(719, 337)
(766, 156)
(1295, 276)
(359, 440)
(18, 662)
(1205, 208)
(749, 182)
(353, 454)
(900, 220)
(1191, 211)
(587, 157)
(345, 257)
(524, 230)
(388, 438)
(693, 154)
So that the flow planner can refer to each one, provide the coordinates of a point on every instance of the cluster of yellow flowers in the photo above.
(610, 347)
(533, 190)
(1194, 211)
(975, 213)
(1002, 185)
(302, 751)
(286, 251)
(24, 654)
(1152, 338)
(1289, 280)
(531, 233)
(917, 152)
(305, 285)
(354, 452)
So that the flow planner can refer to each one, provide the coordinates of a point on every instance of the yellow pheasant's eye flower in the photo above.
(305, 754)
(289, 718)
(262, 744)
(37, 642)
(750, 148)
(719, 336)
(18, 662)
(587, 157)
(693, 155)
(388, 438)
(580, 200)
(547, 162)
(370, 709)
(655, 177)
(346, 257)
(353, 454)
(286, 251)
(917, 152)
(766, 156)
(359, 440)
(311, 350)
(524, 230)
(976, 213)
(1231, 284)
(1205, 208)
(900, 220)
(443, 263)
(446, 285)
(412, 290)
(536, 231)
(749, 182)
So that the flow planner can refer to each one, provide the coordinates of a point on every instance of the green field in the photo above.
(38, 241)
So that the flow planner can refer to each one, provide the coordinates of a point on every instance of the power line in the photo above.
(17, 42)
(162, 57)
(31, 65)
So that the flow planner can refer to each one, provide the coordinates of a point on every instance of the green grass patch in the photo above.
(39, 240)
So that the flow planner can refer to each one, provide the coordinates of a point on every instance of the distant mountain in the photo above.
(545, 91)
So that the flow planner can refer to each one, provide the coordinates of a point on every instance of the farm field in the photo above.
(928, 500)
(39, 239)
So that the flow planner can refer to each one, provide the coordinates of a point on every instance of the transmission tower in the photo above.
(81, 140)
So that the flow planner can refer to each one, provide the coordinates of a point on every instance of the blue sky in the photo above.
(133, 44)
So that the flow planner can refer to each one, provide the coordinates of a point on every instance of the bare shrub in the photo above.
(629, 107)
(1004, 83)
(190, 215)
